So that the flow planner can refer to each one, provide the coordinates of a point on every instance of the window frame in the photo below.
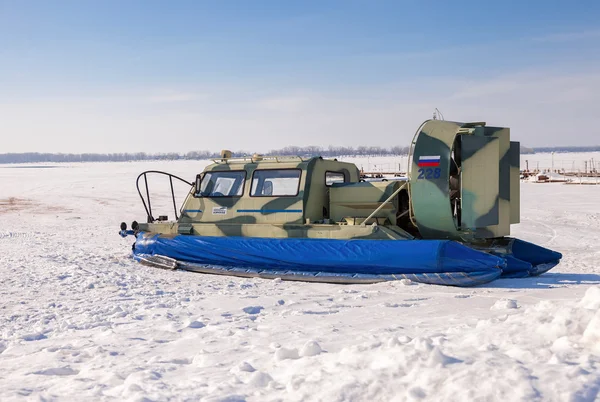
(276, 196)
(203, 175)
(346, 178)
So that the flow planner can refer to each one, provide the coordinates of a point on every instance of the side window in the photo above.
(275, 183)
(334, 177)
(222, 184)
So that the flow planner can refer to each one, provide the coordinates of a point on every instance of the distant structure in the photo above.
(437, 115)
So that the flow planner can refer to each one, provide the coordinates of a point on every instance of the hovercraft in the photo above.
(314, 219)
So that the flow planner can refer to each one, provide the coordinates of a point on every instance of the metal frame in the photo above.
(258, 159)
(148, 207)
(411, 213)
(391, 197)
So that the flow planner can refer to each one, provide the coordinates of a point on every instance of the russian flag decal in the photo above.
(429, 161)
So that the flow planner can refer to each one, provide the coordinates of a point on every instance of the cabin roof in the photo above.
(266, 162)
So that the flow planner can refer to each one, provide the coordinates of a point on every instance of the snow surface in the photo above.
(80, 320)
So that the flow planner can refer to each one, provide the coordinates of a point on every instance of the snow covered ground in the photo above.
(80, 320)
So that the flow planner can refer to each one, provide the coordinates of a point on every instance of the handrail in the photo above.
(253, 159)
(148, 207)
(395, 193)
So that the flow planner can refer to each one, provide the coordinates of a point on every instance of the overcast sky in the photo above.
(158, 76)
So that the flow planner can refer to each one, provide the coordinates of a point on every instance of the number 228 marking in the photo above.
(429, 173)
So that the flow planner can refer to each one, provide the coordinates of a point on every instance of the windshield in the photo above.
(222, 184)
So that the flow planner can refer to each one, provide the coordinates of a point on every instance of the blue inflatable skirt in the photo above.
(439, 262)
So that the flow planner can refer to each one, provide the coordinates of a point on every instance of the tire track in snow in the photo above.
(16, 235)
(545, 225)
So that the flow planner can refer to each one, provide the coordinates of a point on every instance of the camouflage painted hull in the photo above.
(440, 262)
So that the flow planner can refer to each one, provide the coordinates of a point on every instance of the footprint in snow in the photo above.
(253, 309)
(394, 305)
(61, 371)
(182, 361)
(350, 291)
(319, 312)
(33, 337)
(417, 299)
(247, 367)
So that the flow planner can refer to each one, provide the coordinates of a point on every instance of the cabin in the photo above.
(284, 191)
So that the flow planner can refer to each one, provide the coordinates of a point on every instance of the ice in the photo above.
(79, 319)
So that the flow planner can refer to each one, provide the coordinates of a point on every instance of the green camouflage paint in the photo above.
(471, 194)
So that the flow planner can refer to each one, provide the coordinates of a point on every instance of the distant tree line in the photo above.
(87, 157)
(593, 148)
(331, 151)
(30, 157)
(525, 150)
